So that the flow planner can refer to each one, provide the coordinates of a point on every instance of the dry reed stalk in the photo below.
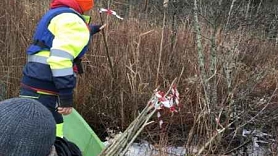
(160, 48)
(122, 143)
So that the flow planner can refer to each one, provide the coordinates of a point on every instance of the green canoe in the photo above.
(78, 131)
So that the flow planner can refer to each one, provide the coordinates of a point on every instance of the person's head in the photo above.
(26, 128)
(81, 6)
(85, 5)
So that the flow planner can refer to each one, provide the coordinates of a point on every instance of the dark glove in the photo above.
(77, 67)
(95, 29)
(66, 101)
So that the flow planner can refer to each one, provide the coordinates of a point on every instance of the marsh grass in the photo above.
(136, 46)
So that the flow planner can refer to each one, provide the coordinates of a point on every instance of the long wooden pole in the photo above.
(106, 48)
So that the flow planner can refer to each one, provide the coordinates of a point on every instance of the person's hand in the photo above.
(102, 27)
(96, 28)
(64, 110)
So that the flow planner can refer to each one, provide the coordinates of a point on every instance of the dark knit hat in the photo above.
(27, 128)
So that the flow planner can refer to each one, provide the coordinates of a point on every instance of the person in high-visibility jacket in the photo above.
(61, 39)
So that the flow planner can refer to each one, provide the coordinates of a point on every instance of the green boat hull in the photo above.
(78, 131)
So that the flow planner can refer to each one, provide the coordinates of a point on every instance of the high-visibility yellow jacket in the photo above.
(50, 59)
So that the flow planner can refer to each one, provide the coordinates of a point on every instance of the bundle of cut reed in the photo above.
(158, 101)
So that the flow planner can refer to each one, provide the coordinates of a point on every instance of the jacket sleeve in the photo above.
(71, 35)
(94, 29)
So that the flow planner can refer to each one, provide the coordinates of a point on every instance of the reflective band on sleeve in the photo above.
(38, 59)
(26, 96)
(61, 53)
(62, 72)
(59, 130)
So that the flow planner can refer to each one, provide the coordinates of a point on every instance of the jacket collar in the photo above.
(66, 3)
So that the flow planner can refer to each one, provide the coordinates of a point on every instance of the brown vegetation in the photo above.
(244, 75)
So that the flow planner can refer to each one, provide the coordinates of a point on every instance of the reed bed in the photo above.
(144, 55)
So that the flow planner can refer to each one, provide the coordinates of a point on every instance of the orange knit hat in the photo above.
(85, 5)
